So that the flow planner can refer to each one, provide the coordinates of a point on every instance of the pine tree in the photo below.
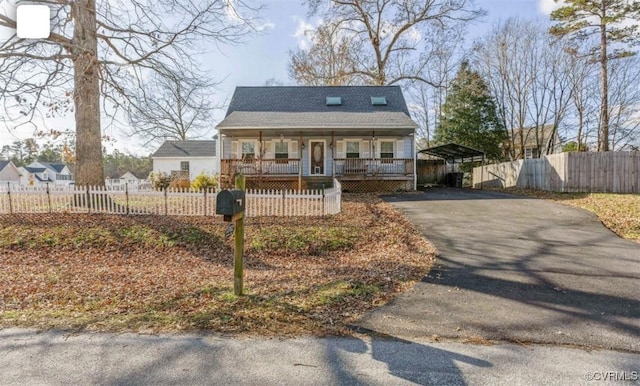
(607, 19)
(469, 115)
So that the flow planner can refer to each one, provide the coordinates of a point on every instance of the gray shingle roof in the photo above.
(3, 163)
(186, 149)
(305, 107)
(310, 120)
(297, 99)
(32, 169)
(54, 166)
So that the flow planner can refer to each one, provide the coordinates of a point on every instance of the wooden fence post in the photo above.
(9, 194)
(126, 196)
(238, 261)
(324, 212)
(48, 197)
(283, 202)
(166, 209)
(88, 200)
(204, 202)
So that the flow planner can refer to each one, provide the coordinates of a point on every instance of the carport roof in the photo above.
(455, 152)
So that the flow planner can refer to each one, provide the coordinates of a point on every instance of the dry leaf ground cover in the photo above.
(618, 212)
(153, 273)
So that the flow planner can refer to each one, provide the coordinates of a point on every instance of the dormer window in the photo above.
(379, 101)
(334, 101)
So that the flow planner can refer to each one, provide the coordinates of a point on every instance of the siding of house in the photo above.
(9, 174)
(197, 165)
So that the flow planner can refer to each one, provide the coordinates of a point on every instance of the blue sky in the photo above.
(265, 56)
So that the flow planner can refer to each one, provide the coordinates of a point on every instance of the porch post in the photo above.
(333, 157)
(261, 154)
(301, 152)
(415, 161)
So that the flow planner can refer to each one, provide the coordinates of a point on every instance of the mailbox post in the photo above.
(231, 204)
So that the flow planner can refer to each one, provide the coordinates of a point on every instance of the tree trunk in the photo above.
(603, 142)
(89, 164)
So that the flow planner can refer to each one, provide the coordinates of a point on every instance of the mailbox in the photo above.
(230, 203)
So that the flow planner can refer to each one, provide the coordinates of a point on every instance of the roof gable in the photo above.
(3, 163)
(186, 149)
(57, 167)
(300, 99)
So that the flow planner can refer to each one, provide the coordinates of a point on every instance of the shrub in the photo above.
(160, 180)
(180, 183)
(204, 181)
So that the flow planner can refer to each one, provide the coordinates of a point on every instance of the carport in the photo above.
(453, 153)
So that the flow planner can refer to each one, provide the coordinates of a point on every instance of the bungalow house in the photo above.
(9, 173)
(305, 136)
(544, 140)
(127, 179)
(41, 173)
(186, 159)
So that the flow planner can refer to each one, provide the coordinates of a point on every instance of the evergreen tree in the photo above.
(469, 115)
(613, 21)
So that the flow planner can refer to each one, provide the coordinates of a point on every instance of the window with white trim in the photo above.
(531, 152)
(282, 150)
(248, 151)
(353, 149)
(386, 149)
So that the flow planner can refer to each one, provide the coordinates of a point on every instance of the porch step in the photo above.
(317, 183)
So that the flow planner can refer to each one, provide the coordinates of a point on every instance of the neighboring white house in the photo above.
(128, 179)
(9, 173)
(41, 173)
(186, 158)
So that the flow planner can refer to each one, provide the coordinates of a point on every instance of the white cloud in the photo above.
(267, 25)
(547, 6)
(304, 32)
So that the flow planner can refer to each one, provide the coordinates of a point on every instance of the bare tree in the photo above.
(580, 19)
(330, 61)
(422, 112)
(97, 54)
(388, 35)
(624, 103)
(171, 106)
(528, 74)
(583, 98)
(446, 53)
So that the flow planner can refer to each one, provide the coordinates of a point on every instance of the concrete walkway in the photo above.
(52, 358)
(519, 270)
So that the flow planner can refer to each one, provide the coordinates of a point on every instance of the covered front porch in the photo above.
(279, 167)
(305, 156)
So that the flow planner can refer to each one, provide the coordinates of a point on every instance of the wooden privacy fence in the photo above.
(172, 202)
(615, 172)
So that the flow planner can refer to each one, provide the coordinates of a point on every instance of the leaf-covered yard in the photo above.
(151, 273)
(618, 212)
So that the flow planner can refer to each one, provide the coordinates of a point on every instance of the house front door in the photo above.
(317, 157)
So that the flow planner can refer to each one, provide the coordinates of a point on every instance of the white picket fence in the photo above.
(175, 202)
(294, 202)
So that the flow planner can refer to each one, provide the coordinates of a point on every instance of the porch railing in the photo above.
(373, 166)
(273, 167)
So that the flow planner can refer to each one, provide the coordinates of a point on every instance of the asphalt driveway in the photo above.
(517, 269)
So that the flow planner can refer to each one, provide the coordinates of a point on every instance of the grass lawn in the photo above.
(153, 273)
(618, 212)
